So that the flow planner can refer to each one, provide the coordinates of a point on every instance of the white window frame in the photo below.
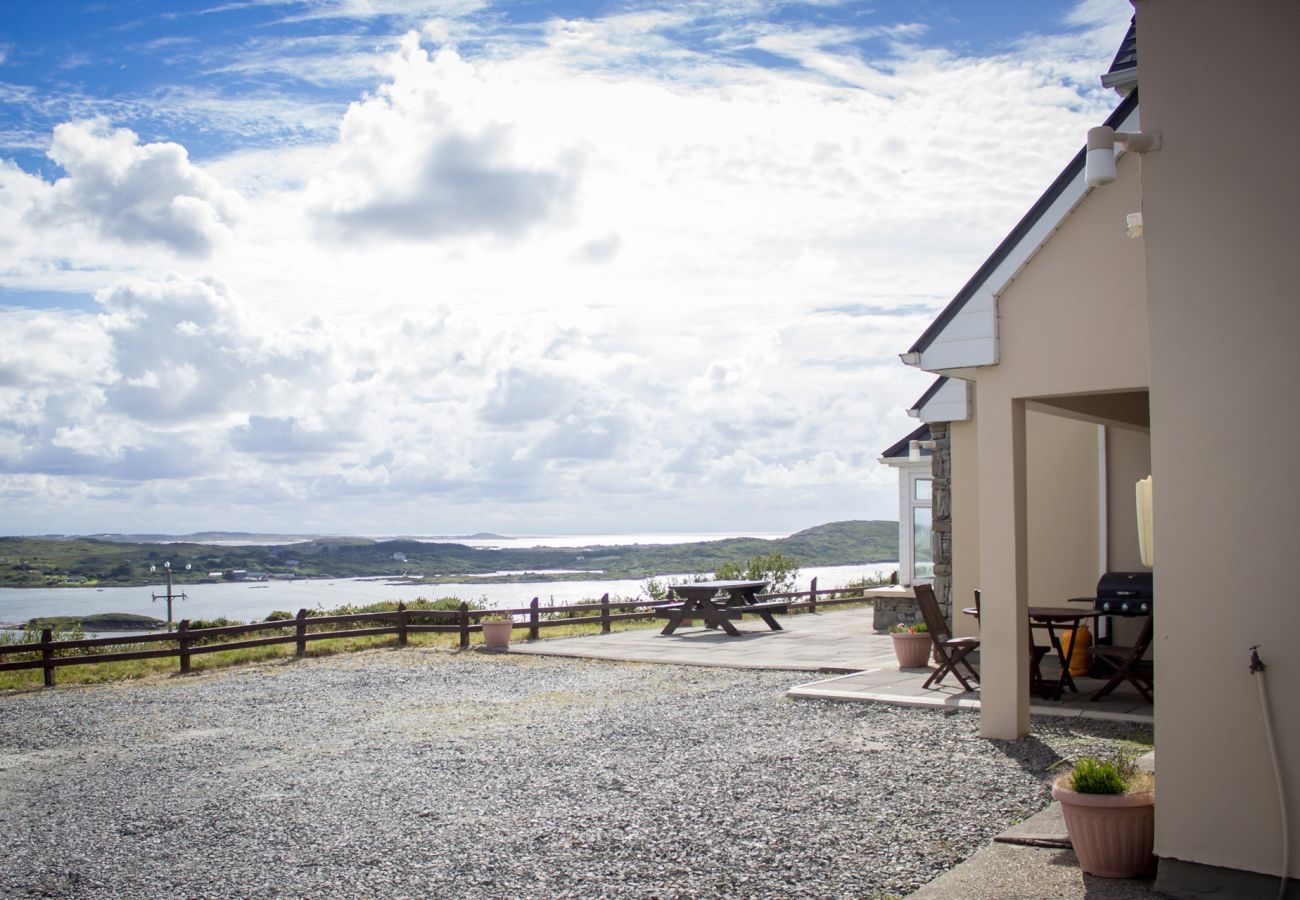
(909, 473)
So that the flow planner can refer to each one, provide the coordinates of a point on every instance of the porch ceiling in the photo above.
(1131, 409)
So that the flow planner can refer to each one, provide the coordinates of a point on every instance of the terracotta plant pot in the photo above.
(1113, 834)
(912, 650)
(496, 635)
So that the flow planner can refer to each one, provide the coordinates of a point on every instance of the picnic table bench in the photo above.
(701, 599)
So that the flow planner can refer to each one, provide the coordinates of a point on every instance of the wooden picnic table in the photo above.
(701, 599)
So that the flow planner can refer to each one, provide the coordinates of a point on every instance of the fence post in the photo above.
(604, 614)
(183, 640)
(47, 655)
(301, 632)
(533, 619)
(402, 616)
(812, 595)
(464, 625)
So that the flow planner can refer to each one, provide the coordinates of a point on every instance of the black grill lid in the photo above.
(1125, 585)
(1125, 594)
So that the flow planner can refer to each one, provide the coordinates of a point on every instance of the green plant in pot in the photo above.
(911, 645)
(1109, 807)
(496, 630)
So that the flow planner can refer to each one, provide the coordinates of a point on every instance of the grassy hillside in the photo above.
(39, 562)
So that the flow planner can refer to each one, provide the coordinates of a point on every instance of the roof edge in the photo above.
(929, 393)
(1018, 233)
(901, 448)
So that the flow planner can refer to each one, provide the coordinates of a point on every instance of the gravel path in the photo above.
(419, 772)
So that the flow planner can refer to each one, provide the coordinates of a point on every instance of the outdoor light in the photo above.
(1133, 223)
(1099, 168)
(914, 449)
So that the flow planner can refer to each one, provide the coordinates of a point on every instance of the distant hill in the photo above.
(197, 537)
(104, 560)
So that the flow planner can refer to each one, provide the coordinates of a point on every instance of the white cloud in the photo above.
(131, 193)
(425, 158)
(568, 264)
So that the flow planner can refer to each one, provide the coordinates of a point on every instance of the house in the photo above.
(1092, 349)
(911, 458)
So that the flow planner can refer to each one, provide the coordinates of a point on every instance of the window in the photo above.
(922, 546)
(922, 549)
(915, 527)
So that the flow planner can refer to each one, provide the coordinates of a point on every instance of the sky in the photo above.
(448, 266)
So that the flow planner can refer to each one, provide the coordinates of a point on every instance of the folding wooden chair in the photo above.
(951, 652)
(1128, 665)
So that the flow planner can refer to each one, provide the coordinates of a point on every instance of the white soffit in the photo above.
(971, 337)
(951, 403)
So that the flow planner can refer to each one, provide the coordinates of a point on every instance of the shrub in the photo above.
(1115, 775)
(657, 589)
(419, 603)
(219, 622)
(870, 581)
(781, 570)
(1096, 776)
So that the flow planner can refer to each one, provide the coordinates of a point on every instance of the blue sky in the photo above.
(448, 265)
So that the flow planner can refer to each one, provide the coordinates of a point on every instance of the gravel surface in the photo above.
(420, 772)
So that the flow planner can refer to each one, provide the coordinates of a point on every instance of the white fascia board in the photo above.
(905, 462)
(971, 338)
(951, 403)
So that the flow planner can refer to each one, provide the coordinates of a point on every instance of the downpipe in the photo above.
(1257, 668)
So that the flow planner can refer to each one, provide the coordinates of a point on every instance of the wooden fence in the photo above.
(185, 642)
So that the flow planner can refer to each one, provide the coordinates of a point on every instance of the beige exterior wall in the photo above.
(1063, 508)
(1067, 326)
(1128, 459)
(1221, 82)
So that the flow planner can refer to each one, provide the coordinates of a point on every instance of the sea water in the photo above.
(253, 601)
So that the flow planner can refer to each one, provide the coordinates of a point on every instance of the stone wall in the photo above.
(890, 611)
(941, 516)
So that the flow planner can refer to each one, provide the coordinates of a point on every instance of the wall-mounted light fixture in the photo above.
(914, 449)
(1099, 167)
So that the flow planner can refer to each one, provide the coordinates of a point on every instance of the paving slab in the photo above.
(1012, 868)
(839, 641)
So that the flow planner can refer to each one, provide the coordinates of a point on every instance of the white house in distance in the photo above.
(915, 488)
(1093, 349)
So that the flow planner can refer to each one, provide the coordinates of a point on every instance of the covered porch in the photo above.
(1056, 509)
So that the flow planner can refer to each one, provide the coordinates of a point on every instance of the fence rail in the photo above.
(401, 622)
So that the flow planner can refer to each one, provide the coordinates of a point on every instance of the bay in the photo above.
(247, 601)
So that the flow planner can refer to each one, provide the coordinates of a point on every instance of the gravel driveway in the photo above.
(420, 772)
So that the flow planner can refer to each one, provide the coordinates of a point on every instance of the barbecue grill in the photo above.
(1124, 594)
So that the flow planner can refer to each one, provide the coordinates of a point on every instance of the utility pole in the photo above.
(169, 596)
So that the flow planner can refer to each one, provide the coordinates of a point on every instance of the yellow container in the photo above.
(1081, 651)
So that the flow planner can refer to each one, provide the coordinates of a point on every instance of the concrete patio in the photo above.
(859, 662)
